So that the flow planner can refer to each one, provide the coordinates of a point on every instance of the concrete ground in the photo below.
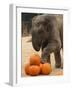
(28, 50)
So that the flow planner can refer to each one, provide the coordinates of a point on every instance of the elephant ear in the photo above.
(50, 20)
(54, 32)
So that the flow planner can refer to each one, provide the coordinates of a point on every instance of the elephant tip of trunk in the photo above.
(37, 49)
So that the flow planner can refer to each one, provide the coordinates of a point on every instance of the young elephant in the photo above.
(47, 34)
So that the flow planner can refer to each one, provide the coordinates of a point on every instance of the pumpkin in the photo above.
(46, 69)
(34, 70)
(35, 59)
(27, 68)
(41, 68)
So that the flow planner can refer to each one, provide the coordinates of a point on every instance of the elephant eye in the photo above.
(38, 24)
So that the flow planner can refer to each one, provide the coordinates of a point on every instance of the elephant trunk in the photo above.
(36, 43)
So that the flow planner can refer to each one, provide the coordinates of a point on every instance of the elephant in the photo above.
(47, 35)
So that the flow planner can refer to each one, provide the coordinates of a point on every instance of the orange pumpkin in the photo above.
(41, 68)
(46, 69)
(35, 59)
(27, 68)
(34, 70)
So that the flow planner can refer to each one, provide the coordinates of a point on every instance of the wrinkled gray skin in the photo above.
(47, 34)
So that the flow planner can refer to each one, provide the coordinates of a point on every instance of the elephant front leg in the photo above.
(46, 51)
(57, 59)
(48, 59)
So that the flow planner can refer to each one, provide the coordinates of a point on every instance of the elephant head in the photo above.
(40, 30)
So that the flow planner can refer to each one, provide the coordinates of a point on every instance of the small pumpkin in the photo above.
(27, 68)
(46, 69)
(41, 68)
(35, 59)
(34, 70)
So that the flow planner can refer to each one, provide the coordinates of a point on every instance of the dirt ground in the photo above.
(28, 50)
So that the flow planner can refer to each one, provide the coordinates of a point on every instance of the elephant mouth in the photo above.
(44, 44)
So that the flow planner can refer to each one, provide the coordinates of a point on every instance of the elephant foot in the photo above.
(57, 59)
(43, 61)
(58, 66)
(62, 66)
